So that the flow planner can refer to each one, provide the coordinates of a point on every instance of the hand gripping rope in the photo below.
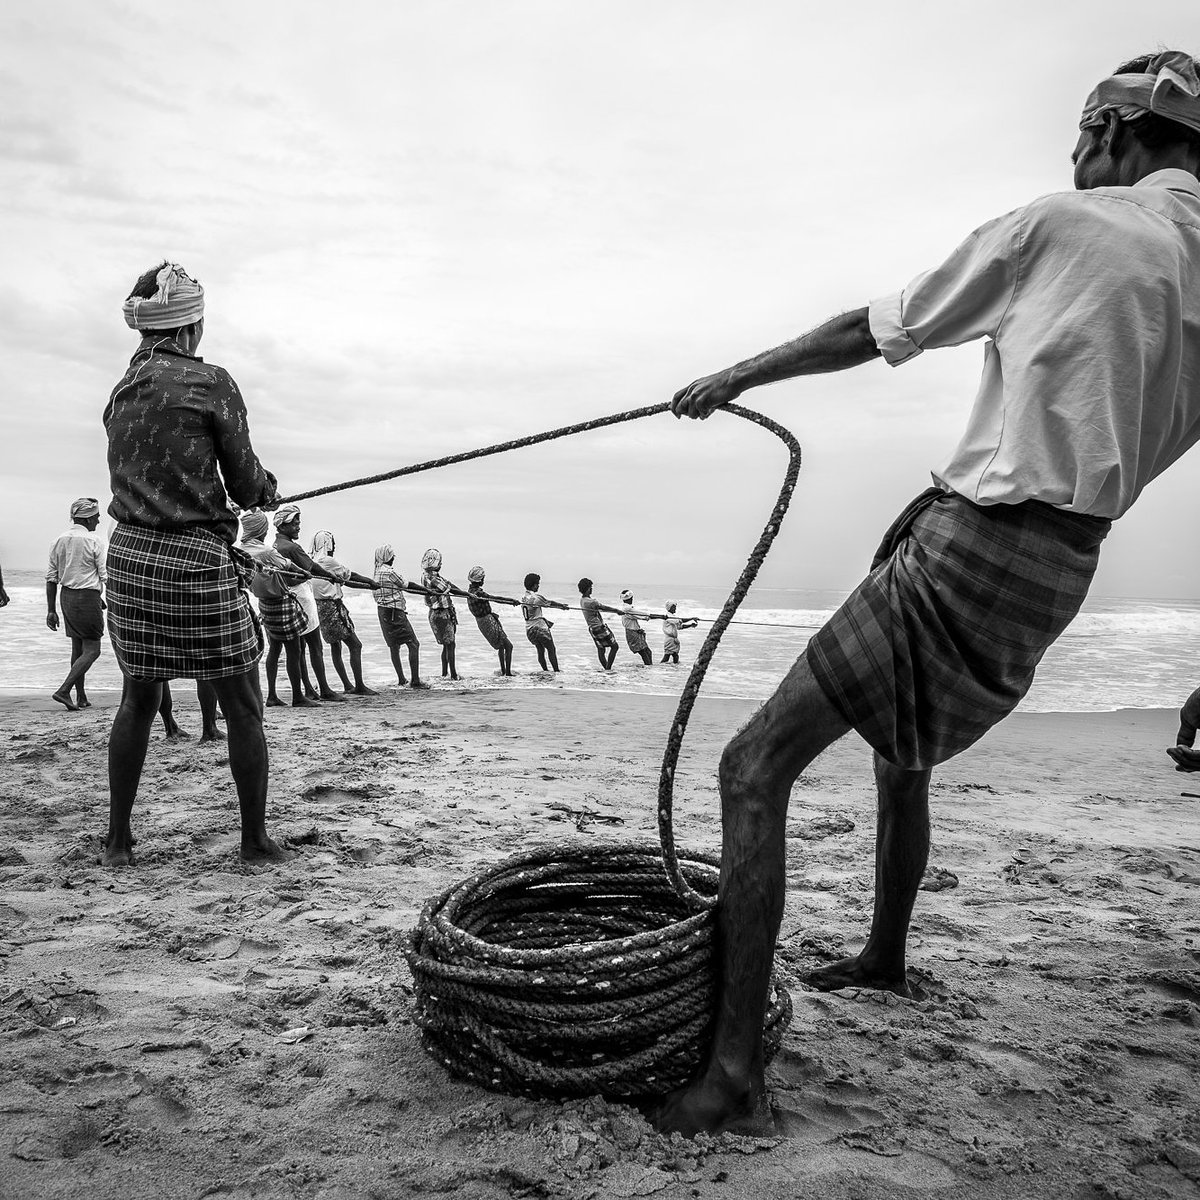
(570, 970)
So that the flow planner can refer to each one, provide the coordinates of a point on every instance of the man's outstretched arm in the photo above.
(843, 341)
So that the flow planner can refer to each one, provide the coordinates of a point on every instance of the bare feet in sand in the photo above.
(855, 972)
(701, 1107)
(117, 855)
(274, 702)
(263, 849)
(306, 702)
(364, 691)
(65, 701)
(212, 735)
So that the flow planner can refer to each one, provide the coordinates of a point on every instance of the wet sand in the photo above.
(197, 1027)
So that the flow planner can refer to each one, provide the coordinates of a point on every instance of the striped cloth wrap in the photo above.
(175, 606)
(941, 640)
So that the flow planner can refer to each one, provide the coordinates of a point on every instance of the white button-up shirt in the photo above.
(77, 560)
(1091, 380)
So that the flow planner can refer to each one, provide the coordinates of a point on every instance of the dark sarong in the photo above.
(941, 640)
(602, 635)
(175, 607)
(635, 639)
(443, 624)
(336, 623)
(82, 615)
(396, 627)
(493, 631)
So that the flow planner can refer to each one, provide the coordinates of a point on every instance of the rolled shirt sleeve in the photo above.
(963, 299)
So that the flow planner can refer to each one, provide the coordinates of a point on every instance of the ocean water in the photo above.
(1119, 653)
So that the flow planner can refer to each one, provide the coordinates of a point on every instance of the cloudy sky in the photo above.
(429, 226)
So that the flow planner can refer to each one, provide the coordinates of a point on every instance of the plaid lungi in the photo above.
(283, 617)
(336, 623)
(941, 640)
(175, 607)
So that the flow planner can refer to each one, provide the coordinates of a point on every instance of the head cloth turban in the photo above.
(627, 596)
(384, 554)
(84, 507)
(322, 542)
(178, 301)
(475, 575)
(255, 525)
(669, 606)
(1170, 88)
(285, 513)
(431, 560)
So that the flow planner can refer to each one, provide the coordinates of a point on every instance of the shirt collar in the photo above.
(1175, 179)
(161, 345)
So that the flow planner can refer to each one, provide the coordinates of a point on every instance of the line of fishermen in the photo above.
(300, 605)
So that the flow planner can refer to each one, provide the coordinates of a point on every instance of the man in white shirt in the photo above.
(1091, 388)
(75, 578)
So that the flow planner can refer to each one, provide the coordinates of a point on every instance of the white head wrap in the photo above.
(178, 301)
(84, 507)
(322, 542)
(431, 560)
(1170, 88)
(475, 575)
(384, 554)
(627, 596)
(669, 606)
(255, 525)
(285, 513)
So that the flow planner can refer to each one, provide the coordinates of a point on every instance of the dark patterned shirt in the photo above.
(177, 439)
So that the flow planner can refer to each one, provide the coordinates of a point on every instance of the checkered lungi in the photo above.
(941, 640)
(175, 606)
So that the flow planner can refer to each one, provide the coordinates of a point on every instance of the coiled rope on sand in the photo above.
(572, 970)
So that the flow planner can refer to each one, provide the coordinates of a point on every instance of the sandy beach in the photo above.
(196, 1027)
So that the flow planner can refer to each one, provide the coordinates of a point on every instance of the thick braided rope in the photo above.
(574, 970)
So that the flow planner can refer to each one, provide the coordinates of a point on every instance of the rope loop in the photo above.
(569, 971)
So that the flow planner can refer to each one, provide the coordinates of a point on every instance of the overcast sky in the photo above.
(426, 227)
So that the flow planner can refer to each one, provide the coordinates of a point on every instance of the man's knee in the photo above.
(239, 698)
(141, 699)
(898, 785)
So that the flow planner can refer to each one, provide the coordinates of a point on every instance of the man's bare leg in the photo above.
(758, 769)
(317, 655)
(206, 694)
(241, 702)
(335, 653)
(81, 663)
(355, 648)
(901, 852)
(140, 700)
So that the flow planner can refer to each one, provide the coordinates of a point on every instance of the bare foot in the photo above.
(305, 702)
(1184, 758)
(117, 856)
(274, 702)
(312, 695)
(332, 696)
(364, 691)
(263, 849)
(419, 685)
(702, 1108)
(212, 735)
(853, 972)
(64, 700)
(175, 734)
(81, 701)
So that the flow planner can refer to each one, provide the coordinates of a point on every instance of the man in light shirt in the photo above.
(1091, 387)
(75, 579)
